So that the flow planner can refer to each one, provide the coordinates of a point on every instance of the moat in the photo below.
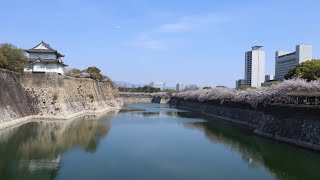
(148, 141)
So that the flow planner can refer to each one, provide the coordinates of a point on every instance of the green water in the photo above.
(149, 141)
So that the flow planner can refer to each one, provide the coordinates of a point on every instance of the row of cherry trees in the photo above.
(281, 93)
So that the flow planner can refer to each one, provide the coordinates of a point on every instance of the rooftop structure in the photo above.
(43, 58)
(286, 61)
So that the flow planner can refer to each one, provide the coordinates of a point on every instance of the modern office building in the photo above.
(269, 77)
(285, 61)
(180, 87)
(156, 84)
(254, 67)
(240, 83)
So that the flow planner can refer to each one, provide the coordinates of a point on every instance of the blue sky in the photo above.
(196, 41)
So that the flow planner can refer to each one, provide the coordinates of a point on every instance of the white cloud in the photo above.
(191, 22)
(158, 38)
(144, 40)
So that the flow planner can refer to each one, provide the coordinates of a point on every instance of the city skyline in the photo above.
(194, 43)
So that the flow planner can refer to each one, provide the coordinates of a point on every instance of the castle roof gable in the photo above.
(43, 47)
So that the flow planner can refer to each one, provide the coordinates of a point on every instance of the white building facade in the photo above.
(286, 61)
(254, 67)
(160, 85)
(180, 87)
(43, 58)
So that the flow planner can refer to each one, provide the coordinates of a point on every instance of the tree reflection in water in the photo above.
(33, 150)
(282, 160)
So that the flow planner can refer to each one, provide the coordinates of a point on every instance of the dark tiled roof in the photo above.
(45, 45)
(47, 61)
(48, 50)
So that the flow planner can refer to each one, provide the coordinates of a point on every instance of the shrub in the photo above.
(12, 58)
(309, 70)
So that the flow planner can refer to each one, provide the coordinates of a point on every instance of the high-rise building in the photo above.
(254, 67)
(240, 83)
(285, 61)
(269, 77)
(160, 85)
(180, 87)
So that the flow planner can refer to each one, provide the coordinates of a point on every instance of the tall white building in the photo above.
(160, 85)
(254, 66)
(43, 58)
(285, 61)
(180, 87)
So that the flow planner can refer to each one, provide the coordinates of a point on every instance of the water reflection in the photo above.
(33, 150)
(157, 114)
(282, 160)
(142, 138)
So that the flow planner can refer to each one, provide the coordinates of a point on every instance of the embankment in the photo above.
(298, 125)
(51, 96)
(140, 98)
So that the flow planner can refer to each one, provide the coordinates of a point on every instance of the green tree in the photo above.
(245, 87)
(207, 87)
(96, 76)
(12, 58)
(75, 71)
(146, 89)
(170, 91)
(93, 69)
(309, 70)
(94, 73)
(273, 83)
(3, 60)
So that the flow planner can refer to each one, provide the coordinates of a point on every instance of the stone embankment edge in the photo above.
(257, 132)
(27, 119)
(220, 117)
(288, 140)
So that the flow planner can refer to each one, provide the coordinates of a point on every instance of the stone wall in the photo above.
(14, 101)
(141, 98)
(136, 100)
(62, 96)
(298, 125)
(52, 96)
(160, 100)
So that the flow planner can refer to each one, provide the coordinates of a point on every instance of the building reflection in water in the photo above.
(33, 150)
